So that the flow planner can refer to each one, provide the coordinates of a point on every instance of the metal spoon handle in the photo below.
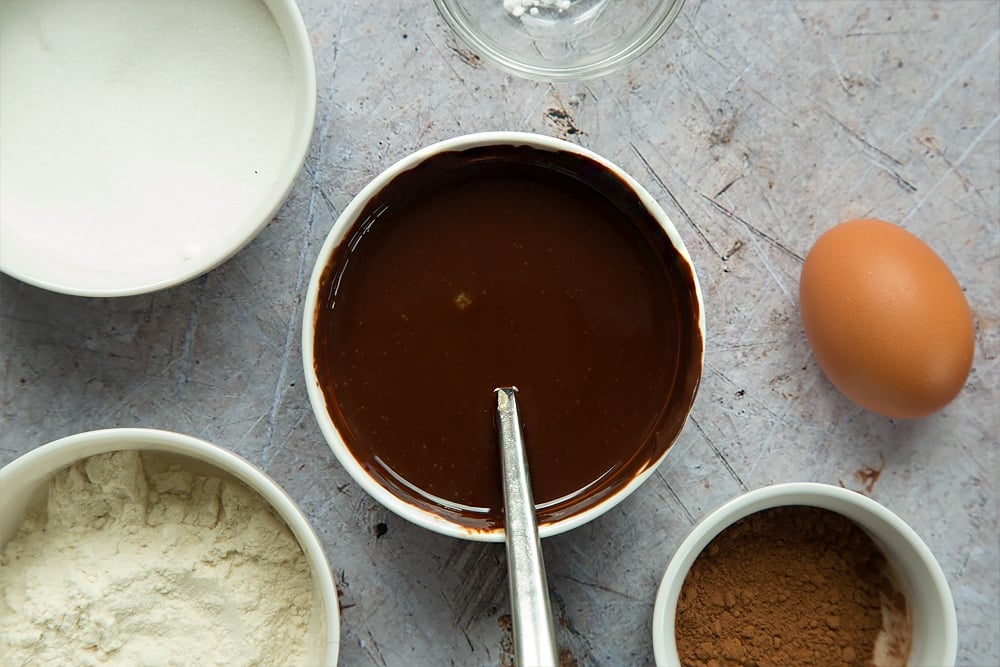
(534, 637)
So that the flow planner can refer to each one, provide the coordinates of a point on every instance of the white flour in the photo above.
(125, 567)
(518, 8)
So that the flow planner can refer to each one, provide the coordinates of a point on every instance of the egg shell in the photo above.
(886, 319)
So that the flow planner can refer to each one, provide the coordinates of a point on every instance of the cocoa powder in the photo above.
(791, 585)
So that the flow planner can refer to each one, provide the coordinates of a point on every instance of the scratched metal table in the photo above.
(757, 125)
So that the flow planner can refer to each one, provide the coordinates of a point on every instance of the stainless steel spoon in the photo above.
(534, 637)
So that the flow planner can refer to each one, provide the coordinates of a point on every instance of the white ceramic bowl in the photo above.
(559, 40)
(23, 482)
(339, 232)
(934, 626)
(144, 143)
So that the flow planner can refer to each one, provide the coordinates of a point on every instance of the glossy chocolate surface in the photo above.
(503, 266)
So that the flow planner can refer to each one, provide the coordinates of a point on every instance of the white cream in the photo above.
(137, 135)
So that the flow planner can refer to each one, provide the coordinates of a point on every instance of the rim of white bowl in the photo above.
(507, 62)
(778, 495)
(90, 443)
(287, 17)
(338, 232)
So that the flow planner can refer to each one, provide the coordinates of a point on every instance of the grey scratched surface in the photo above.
(757, 125)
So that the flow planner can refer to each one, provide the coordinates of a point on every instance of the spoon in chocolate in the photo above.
(534, 637)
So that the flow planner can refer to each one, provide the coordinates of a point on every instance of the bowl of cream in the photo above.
(138, 546)
(144, 143)
(493, 260)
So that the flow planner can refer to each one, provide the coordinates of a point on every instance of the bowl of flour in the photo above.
(137, 546)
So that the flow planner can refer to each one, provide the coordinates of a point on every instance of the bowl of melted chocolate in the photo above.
(492, 260)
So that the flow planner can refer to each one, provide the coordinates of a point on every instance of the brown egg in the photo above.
(886, 319)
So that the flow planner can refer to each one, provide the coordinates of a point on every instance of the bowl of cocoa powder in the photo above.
(803, 574)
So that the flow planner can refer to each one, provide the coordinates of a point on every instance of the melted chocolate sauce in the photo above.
(502, 266)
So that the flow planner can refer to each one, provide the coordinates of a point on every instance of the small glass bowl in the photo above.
(559, 40)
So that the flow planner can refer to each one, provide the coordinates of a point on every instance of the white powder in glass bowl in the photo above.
(124, 565)
(517, 8)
